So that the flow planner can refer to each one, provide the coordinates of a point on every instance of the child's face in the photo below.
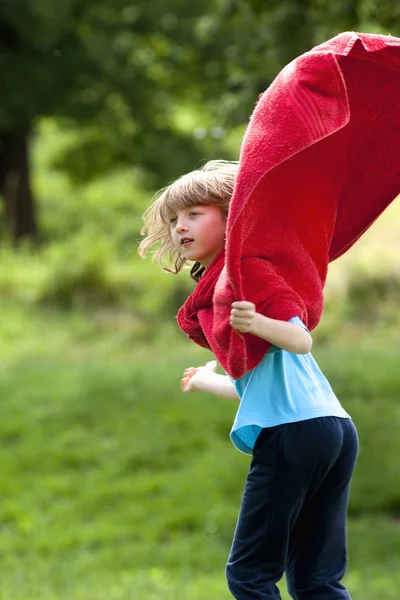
(204, 229)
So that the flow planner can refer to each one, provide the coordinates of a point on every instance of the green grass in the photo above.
(116, 485)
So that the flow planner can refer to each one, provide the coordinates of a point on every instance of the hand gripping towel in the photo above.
(319, 162)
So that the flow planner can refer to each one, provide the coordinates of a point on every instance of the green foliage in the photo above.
(373, 296)
(367, 380)
(78, 275)
(121, 72)
(246, 43)
(116, 485)
(114, 70)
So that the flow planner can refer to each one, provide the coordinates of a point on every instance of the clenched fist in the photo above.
(242, 316)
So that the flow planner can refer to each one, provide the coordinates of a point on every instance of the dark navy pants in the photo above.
(293, 513)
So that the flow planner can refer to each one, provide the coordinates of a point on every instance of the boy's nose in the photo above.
(181, 226)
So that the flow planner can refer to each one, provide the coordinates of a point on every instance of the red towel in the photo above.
(319, 163)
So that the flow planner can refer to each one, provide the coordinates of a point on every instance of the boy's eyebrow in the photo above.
(173, 213)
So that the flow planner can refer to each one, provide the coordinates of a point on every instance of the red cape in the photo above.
(319, 163)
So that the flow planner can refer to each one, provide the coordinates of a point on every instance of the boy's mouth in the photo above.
(186, 241)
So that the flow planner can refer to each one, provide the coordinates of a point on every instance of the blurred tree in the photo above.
(252, 40)
(119, 71)
(150, 82)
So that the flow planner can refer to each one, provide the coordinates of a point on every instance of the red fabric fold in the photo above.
(318, 164)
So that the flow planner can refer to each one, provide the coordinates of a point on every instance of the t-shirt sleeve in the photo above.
(299, 322)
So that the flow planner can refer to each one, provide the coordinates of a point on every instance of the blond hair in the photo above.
(210, 184)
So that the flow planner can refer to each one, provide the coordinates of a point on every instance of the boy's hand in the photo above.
(194, 375)
(242, 316)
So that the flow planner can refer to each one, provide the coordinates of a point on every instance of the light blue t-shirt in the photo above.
(283, 388)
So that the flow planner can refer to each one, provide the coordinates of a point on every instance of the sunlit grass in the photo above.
(114, 484)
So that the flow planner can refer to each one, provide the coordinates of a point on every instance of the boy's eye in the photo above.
(192, 213)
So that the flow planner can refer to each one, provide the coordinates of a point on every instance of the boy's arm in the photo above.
(205, 379)
(219, 385)
(288, 336)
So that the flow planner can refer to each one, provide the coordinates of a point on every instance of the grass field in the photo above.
(115, 485)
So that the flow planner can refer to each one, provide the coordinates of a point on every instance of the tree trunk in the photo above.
(15, 185)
